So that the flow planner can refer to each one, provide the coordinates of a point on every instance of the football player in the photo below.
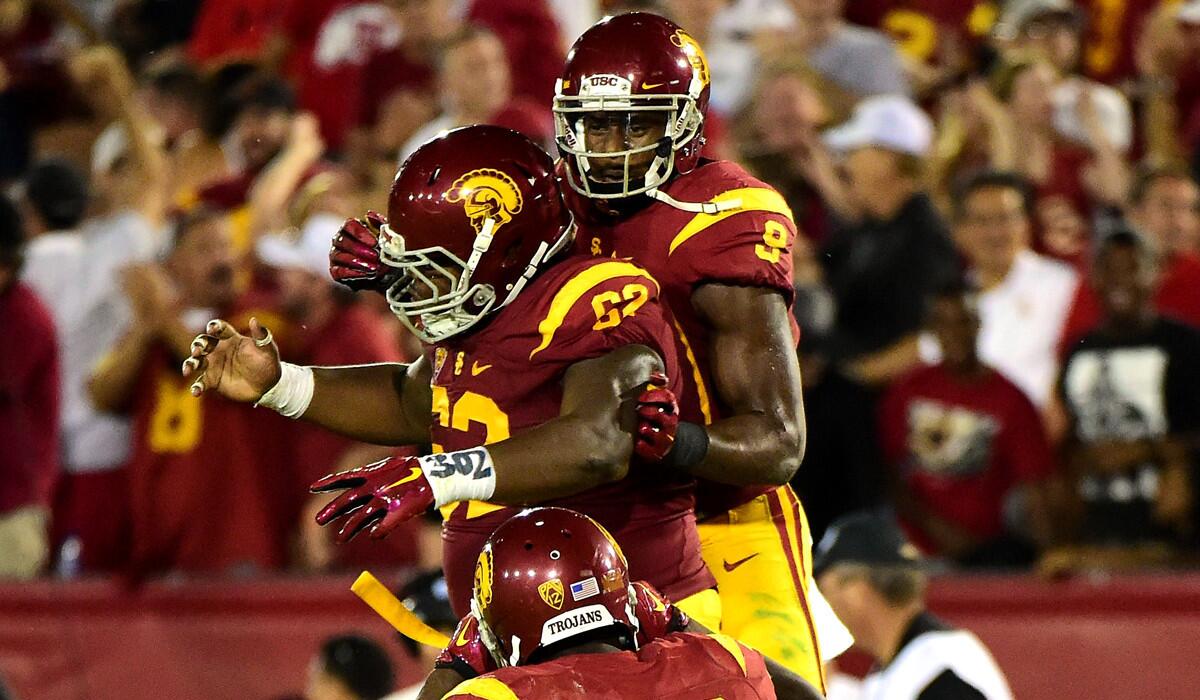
(629, 113)
(529, 351)
(555, 610)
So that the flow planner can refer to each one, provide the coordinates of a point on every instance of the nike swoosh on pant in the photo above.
(739, 562)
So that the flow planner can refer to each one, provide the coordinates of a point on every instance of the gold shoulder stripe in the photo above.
(701, 390)
(576, 287)
(486, 688)
(731, 645)
(753, 199)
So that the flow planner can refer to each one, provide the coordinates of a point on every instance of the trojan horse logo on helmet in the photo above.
(487, 194)
(694, 53)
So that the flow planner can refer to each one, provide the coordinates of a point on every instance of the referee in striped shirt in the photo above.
(875, 581)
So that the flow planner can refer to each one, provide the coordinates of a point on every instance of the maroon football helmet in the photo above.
(636, 62)
(548, 575)
(473, 215)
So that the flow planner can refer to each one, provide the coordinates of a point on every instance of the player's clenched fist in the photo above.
(378, 496)
(354, 258)
(238, 367)
(656, 615)
(466, 654)
(657, 420)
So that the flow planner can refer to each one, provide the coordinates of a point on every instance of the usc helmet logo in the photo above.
(552, 593)
(483, 579)
(695, 54)
(487, 194)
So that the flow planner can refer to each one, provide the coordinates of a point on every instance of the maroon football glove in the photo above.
(378, 496)
(656, 615)
(354, 258)
(465, 654)
(657, 420)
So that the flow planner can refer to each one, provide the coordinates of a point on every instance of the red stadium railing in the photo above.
(1084, 638)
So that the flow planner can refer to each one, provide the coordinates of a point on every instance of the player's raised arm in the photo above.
(390, 401)
(588, 444)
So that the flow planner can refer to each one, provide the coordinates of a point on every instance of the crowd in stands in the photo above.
(998, 274)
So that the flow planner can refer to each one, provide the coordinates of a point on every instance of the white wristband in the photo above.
(292, 393)
(465, 475)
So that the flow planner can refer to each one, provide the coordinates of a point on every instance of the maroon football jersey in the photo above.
(749, 245)
(681, 666)
(507, 378)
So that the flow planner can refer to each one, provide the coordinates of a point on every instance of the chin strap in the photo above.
(695, 207)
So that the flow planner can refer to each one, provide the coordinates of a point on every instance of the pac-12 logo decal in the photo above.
(487, 193)
(483, 578)
(694, 53)
(552, 593)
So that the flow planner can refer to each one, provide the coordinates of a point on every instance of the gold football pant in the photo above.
(761, 556)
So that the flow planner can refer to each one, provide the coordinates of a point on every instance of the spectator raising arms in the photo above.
(186, 453)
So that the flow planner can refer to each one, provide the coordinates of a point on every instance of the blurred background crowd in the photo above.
(998, 275)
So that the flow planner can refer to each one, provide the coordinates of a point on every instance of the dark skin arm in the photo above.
(383, 404)
(588, 444)
(439, 682)
(757, 376)
(591, 440)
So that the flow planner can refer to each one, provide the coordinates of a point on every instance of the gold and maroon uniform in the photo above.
(679, 666)
(755, 540)
(507, 378)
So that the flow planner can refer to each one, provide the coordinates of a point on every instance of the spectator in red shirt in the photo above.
(1072, 173)
(330, 329)
(28, 411)
(532, 42)
(476, 86)
(962, 441)
(227, 31)
(186, 453)
(327, 45)
(1165, 207)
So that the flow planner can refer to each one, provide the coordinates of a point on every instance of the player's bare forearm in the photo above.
(757, 377)
(439, 682)
(383, 404)
(589, 443)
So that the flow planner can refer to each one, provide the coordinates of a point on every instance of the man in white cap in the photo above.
(880, 267)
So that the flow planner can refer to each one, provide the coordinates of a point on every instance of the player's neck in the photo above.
(585, 648)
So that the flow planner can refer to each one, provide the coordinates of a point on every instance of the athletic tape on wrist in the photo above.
(292, 393)
(691, 446)
(464, 475)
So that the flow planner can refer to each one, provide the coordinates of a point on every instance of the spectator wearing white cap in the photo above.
(881, 266)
